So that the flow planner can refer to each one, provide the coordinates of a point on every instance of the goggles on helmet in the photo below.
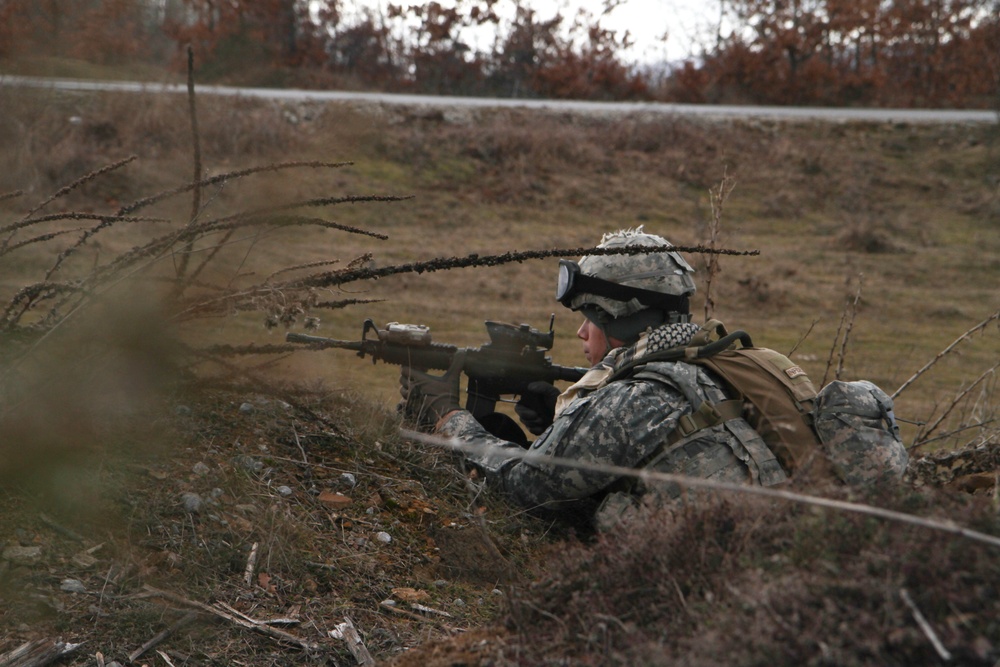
(572, 282)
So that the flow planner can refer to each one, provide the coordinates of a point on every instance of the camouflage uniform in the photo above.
(627, 422)
(855, 422)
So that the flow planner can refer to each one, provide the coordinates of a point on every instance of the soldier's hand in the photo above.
(537, 406)
(427, 398)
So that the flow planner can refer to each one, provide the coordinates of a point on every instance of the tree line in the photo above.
(910, 53)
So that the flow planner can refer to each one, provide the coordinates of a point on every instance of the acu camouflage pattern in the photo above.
(667, 272)
(855, 423)
(627, 423)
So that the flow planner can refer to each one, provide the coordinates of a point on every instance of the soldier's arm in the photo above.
(618, 425)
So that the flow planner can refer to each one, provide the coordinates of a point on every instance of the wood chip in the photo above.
(335, 500)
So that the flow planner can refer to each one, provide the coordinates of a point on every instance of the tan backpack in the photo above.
(771, 392)
(845, 431)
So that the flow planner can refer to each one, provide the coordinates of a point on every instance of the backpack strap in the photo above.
(706, 416)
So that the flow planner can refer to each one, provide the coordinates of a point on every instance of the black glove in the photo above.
(427, 398)
(537, 406)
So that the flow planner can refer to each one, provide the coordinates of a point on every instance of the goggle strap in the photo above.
(583, 283)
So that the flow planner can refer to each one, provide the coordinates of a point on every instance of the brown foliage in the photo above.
(104, 32)
(653, 592)
(901, 53)
(843, 52)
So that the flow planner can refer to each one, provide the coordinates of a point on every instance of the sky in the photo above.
(684, 21)
(687, 23)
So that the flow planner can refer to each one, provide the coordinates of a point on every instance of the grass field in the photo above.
(903, 218)
(877, 247)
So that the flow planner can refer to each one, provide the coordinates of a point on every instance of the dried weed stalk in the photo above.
(943, 353)
(978, 420)
(845, 326)
(718, 196)
(980, 414)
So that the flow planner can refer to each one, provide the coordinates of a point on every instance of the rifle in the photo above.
(514, 357)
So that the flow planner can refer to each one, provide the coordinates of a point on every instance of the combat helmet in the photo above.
(627, 293)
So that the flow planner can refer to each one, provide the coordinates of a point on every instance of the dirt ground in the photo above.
(258, 523)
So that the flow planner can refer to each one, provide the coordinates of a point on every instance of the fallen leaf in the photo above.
(409, 594)
(333, 499)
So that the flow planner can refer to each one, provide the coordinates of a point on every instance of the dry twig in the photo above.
(922, 437)
(349, 634)
(162, 635)
(846, 324)
(968, 334)
(251, 564)
(718, 197)
(37, 653)
(256, 626)
(925, 627)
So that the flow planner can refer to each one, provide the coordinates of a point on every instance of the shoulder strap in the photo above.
(701, 347)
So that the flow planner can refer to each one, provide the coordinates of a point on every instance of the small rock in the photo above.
(182, 410)
(200, 469)
(440, 583)
(284, 491)
(248, 463)
(246, 408)
(84, 560)
(348, 480)
(22, 555)
(73, 586)
(383, 537)
(459, 602)
(192, 502)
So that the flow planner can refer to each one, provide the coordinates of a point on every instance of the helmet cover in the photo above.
(665, 272)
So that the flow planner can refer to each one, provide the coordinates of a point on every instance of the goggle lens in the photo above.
(564, 285)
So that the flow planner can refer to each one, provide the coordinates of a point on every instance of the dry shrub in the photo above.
(747, 581)
(867, 238)
(53, 139)
(514, 141)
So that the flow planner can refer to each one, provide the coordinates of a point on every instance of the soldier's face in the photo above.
(595, 343)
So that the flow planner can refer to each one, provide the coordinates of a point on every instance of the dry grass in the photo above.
(108, 345)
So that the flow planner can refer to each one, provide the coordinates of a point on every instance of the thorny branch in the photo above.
(448, 263)
(222, 178)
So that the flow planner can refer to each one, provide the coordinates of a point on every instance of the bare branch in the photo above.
(968, 334)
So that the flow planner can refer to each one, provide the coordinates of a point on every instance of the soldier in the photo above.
(633, 306)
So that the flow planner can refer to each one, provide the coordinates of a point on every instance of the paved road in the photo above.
(606, 108)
